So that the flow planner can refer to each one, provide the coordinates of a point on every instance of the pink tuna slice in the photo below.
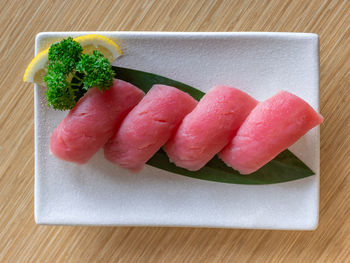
(209, 127)
(148, 126)
(270, 128)
(93, 120)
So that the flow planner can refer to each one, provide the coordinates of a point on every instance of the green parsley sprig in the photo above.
(71, 73)
(96, 69)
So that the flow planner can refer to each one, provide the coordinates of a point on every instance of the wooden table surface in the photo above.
(21, 240)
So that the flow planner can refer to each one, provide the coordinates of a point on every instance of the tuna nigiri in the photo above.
(270, 128)
(93, 120)
(148, 126)
(209, 127)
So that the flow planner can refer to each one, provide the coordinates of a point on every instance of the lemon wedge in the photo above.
(37, 68)
(101, 43)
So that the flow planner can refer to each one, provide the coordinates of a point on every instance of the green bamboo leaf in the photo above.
(285, 167)
(145, 81)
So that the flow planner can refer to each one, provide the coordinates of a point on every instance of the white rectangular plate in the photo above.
(99, 193)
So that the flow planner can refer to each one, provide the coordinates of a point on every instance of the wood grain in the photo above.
(23, 241)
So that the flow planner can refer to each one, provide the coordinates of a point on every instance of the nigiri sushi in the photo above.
(271, 127)
(148, 126)
(209, 127)
(92, 121)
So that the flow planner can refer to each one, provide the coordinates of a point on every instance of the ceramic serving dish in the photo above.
(99, 193)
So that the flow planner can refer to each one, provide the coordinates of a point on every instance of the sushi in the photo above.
(148, 126)
(271, 127)
(92, 121)
(209, 127)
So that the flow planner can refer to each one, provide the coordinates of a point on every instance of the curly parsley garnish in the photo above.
(71, 73)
